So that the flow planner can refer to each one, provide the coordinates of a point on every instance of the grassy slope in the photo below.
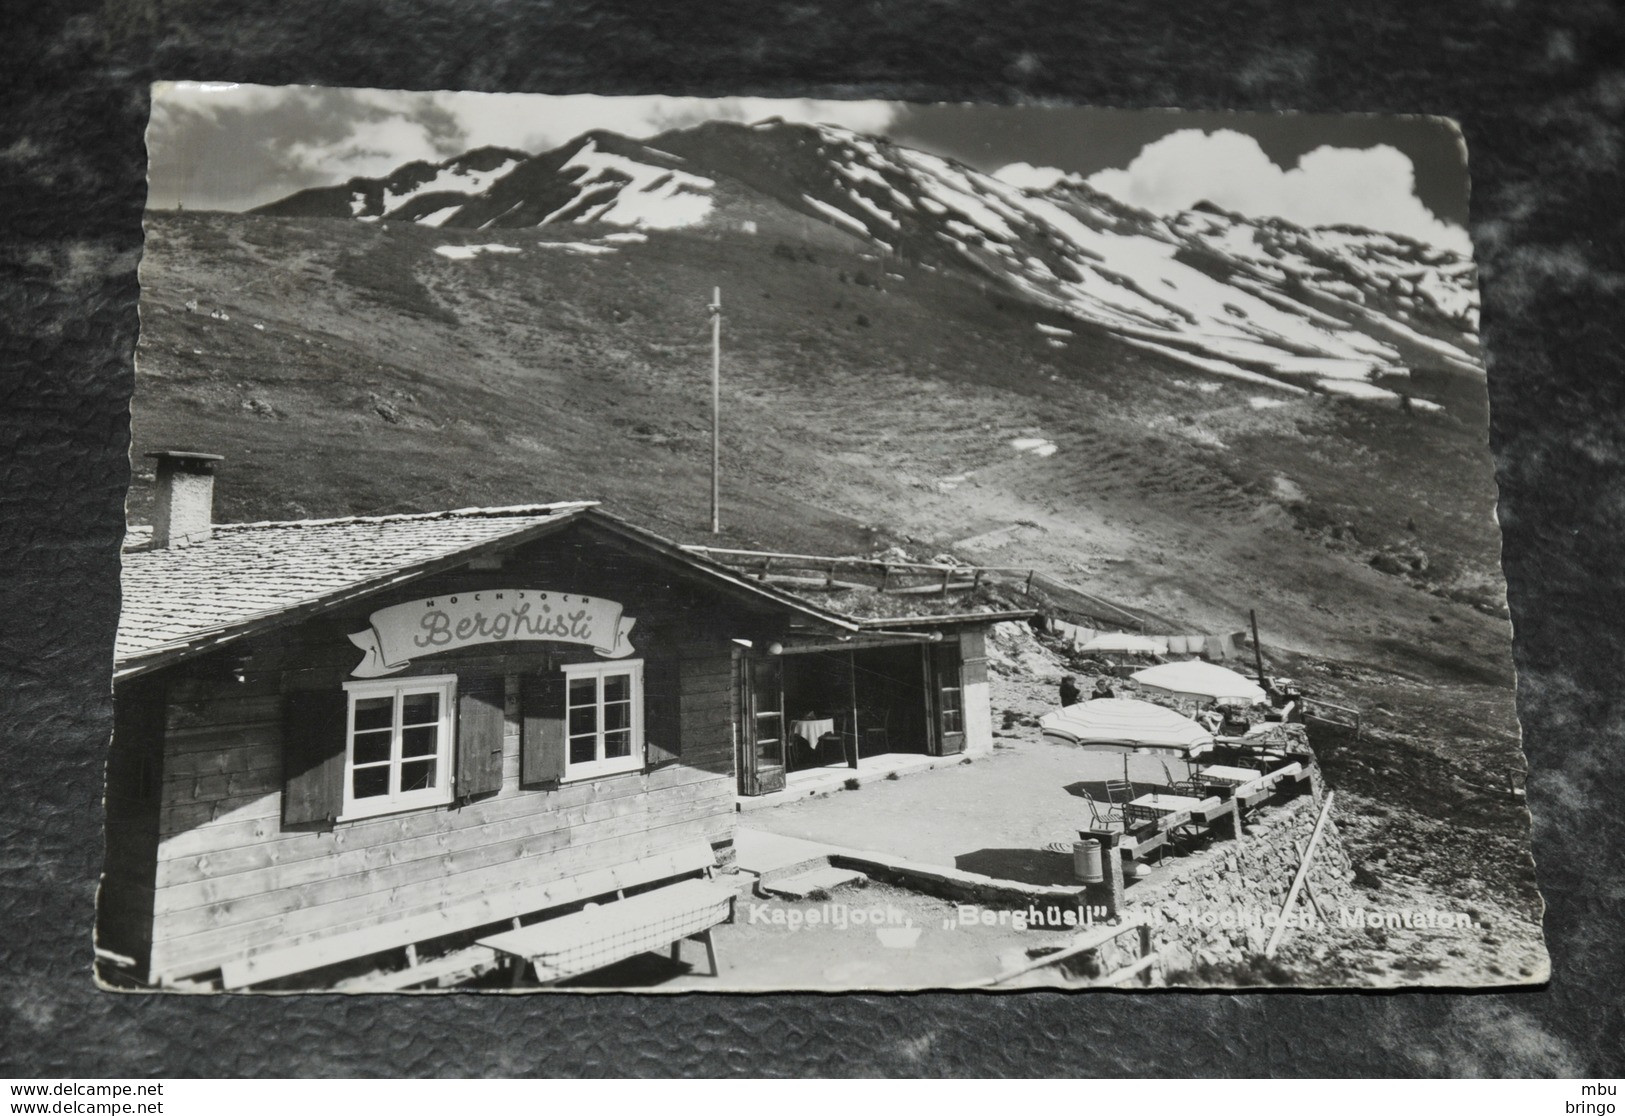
(387, 379)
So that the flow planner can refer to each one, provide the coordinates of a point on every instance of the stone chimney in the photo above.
(183, 509)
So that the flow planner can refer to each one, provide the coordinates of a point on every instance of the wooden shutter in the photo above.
(541, 710)
(662, 711)
(948, 691)
(314, 725)
(480, 725)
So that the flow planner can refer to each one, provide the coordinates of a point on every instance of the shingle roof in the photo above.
(248, 576)
(246, 572)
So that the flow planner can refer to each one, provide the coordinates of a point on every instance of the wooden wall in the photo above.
(228, 880)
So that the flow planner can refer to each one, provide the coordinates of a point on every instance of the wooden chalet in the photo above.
(335, 739)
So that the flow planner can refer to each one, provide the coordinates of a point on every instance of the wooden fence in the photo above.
(827, 573)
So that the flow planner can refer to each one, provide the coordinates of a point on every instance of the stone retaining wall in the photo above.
(1214, 912)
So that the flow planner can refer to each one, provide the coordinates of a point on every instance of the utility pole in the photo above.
(1258, 650)
(716, 405)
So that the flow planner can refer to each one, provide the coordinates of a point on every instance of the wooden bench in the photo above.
(1212, 809)
(558, 948)
(279, 962)
(1267, 786)
(454, 968)
(1138, 847)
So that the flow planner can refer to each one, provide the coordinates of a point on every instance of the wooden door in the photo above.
(946, 697)
(762, 727)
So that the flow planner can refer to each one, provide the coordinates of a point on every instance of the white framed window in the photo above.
(398, 745)
(603, 718)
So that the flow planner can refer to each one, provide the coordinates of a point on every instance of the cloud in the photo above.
(1374, 187)
(539, 123)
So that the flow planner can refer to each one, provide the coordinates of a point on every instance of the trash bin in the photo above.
(1086, 863)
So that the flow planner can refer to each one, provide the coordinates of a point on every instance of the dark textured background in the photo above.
(1539, 89)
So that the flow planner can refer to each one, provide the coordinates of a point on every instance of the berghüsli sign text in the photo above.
(400, 633)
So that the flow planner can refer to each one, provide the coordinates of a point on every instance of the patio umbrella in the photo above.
(1201, 680)
(1124, 643)
(1126, 725)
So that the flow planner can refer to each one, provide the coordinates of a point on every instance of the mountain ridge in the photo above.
(1334, 309)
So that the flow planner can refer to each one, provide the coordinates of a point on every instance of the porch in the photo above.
(813, 782)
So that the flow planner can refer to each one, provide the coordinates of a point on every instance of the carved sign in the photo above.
(400, 633)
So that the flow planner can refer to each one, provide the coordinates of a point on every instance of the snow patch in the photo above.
(875, 209)
(438, 217)
(860, 172)
(840, 217)
(1355, 389)
(447, 180)
(648, 197)
(1038, 447)
(1217, 367)
(1287, 492)
(469, 251)
(1329, 368)
(579, 248)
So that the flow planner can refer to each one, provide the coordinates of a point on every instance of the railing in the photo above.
(1329, 713)
(819, 572)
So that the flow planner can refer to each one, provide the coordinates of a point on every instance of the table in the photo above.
(1166, 803)
(1219, 773)
(811, 731)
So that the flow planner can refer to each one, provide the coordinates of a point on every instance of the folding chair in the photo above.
(1103, 822)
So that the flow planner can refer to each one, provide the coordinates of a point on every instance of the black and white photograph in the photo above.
(679, 545)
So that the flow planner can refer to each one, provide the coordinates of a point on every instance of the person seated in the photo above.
(1103, 689)
(1292, 711)
(1211, 718)
(1070, 694)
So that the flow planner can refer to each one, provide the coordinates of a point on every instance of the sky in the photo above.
(232, 147)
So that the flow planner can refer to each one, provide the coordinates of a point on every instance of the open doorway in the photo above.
(891, 701)
(819, 704)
